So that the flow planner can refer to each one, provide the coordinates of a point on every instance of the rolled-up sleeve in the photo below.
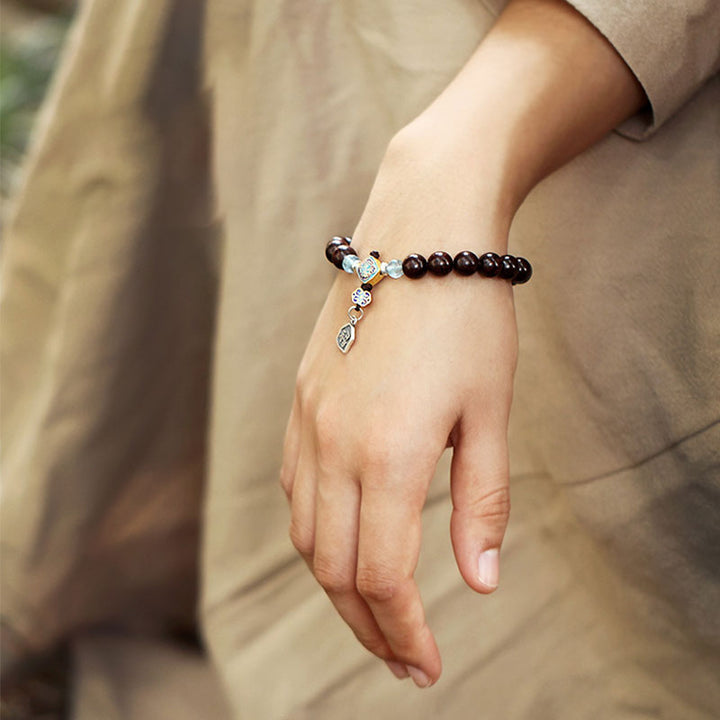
(672, 47)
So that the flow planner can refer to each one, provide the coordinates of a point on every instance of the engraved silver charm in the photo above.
(346, 334)
(346, 337)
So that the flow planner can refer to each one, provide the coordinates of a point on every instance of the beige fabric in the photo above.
(117, 678)
(672, 47)
(122, 324)
(109, 279)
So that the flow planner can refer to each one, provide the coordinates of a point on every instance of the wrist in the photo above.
(455, 201)
(542, 86)
(473, 164)
(481, 127)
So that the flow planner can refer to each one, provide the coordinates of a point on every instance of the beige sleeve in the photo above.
(672, 47)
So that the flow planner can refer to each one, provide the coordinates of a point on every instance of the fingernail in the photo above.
(419, 677)
(397, 669)
(489, 568)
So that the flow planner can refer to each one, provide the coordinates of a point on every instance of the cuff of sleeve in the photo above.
(671, 48)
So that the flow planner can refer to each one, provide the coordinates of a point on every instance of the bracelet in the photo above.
(371, 271)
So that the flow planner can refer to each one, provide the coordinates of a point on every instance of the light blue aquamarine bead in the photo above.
(350, 262)
(394, 268)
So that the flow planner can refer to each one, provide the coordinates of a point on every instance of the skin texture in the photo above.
(433, 362)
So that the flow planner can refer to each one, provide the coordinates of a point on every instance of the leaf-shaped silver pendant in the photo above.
(346, 337)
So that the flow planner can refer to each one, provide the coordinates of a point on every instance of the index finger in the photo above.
(388, 551)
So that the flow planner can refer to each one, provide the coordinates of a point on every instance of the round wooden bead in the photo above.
(339, 253)
(440, 263)
(489, 264)
(332, 246)
(465, 262)
(524, 272)
(414, 266)
(508, 267)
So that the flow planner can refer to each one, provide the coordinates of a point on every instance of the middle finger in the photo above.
(337, 513)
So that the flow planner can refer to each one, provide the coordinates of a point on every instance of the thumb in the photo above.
(481, 503)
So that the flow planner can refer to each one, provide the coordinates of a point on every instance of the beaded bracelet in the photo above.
(371, 271)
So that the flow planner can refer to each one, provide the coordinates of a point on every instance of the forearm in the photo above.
(543, 86)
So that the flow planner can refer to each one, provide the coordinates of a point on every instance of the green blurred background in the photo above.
(31, 37)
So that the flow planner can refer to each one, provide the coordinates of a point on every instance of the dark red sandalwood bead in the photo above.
(465, 262)
(336, 243)
(332, 246)
(375, 254)
(414, 266)
(340, 252)
(489, 264)
(508, 267)
(366, 286)
(524, 272)
(440, 263)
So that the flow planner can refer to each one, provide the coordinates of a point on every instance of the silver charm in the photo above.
(371, 272)
(346, 334)
(346, 337)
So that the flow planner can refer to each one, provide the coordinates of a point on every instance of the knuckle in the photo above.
(328, 429)
(302, 539)
(306, 393)
(303, 373)
(334, 579)
(286, 486)
(493, 505)
(378, 456)
(376, 585)
(386, 447)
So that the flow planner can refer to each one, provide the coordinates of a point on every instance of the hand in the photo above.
(432, 366)
(434, 358)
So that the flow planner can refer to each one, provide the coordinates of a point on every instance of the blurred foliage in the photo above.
(28, 56)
